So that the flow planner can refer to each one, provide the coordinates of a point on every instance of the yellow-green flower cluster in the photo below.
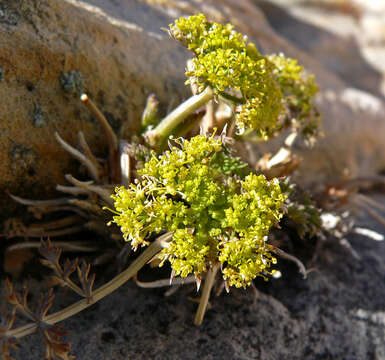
(250, 214)
(299, 91)
(226, 62)
(215, 216)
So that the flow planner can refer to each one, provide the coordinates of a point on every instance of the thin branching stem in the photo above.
(87, 151)
(58, 224)
(284, 153)
(40, 203)
(39, 211)
(87, 185)
(165, 282)
(209, 282)
(93, 170)
(370, 210)
(231, 99)
(65, 245)
(113, 143)
(66, 281)
(125, 164)
(111, 137)
(73, 190)
(87, 206)
(99, 293)
(208, 120)
(285, 255)
(371, 202)
(66, 224)
(35, 232)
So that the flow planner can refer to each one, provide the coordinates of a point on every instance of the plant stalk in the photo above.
(231, 99)
(168, 124)
(99, 293)
(209, 282)
(112, 139)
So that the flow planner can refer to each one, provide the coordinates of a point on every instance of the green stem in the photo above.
(209, 282)
(233, 99)
(99, 293)
(184, 128)
(168, 124)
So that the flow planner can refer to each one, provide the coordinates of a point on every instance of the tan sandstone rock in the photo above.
(52, 50)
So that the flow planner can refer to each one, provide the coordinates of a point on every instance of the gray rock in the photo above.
(337, 313)
(340, 55)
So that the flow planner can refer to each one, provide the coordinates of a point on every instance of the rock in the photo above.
(53, 50)
(339, 54)
(336, 313)
(50, 52)
(360, 23)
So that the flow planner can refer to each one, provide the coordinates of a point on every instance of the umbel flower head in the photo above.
(215, 215)
(227, 63)
(299, 90)
(273, 92)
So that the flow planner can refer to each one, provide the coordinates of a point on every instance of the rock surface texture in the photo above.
(50, 51)
(358, 22)
(338, 312)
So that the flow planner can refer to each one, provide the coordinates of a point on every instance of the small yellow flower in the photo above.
(227, 63)
(215, 215)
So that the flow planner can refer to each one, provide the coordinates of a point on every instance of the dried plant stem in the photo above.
(113, 144)
(41, 232)
(285, 255)
(371, 202)
(40, 203)
(361, 183)
(284, 152)
(231, 99)
(99, 293)
(88, 185)
(93, 170)
(188, 125)
(168, 124)
(87, 206)
(87, 151)
(165, 282)
(71, 190)
(369, 209)
(208, 121)
(125, 164)
(65, 245)
(232, 128)
(57, 224)
(40, 211)
(111, 137)
(209, 282)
